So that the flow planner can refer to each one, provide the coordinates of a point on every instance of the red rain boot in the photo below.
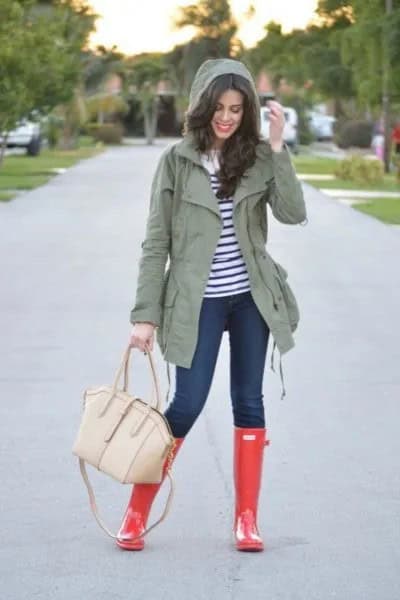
(248, 460)
(138, 509)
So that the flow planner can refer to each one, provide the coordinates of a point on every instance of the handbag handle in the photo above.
(125, 367)
(93, 504)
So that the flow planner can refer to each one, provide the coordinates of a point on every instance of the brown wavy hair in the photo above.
(239, 151)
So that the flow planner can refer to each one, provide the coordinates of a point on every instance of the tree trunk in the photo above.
(148, 126)
(386, 89)
(68, 140)
(338, 108)
(154, 123)
(3, 147)
(150, 113)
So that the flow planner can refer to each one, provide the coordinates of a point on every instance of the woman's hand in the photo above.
(142, 336)
(276, 125)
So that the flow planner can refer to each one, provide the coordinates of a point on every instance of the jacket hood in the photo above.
(212, 68)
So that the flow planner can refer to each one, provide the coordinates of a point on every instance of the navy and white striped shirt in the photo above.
(228, 273)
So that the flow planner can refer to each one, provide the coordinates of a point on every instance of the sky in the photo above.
(136, 26)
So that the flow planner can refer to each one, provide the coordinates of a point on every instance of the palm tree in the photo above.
(215, 30)
(144, 74)
(214, 25)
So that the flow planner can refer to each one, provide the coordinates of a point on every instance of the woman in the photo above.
(208, 216)
(395, 136)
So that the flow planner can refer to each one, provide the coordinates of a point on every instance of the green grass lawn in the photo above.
(389, 184)
(384, 209)
(314, 165)
(20, 172)
(307, 163)
(5, 196)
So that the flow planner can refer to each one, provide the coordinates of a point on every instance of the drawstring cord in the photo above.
(282, 381)
(272, 357)
(283, 394)
(169, 383)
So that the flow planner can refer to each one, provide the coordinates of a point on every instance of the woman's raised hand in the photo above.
(142, 336)
(276, 125)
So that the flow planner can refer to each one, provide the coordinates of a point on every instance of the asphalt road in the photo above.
(329, 511)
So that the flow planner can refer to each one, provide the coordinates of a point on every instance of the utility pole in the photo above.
(386, 81)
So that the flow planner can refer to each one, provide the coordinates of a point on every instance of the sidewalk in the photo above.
(338, 193)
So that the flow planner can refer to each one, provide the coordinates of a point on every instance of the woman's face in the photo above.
(227, 116)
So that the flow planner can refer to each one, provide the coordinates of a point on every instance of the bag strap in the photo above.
(93, 505)
(124, 369)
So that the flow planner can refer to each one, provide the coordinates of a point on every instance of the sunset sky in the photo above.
(145, 25)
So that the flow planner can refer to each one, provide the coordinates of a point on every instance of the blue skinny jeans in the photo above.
(248, 339)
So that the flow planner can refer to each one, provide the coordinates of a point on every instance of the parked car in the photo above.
(321, 126)
(290, 131)
(25, 135)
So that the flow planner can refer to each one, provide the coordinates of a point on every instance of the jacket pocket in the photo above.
(167, 312)
(287, 295)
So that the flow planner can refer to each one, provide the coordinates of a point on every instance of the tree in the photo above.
(99, 64)
(214, 37)
(330, 75)
(362, 45)
(213, 22)
(372, 48)
(144, 73)
(103, 105)
(332, 12)
(305, 58)
(40, 48)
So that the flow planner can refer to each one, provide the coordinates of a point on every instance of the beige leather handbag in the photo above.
(124, 437)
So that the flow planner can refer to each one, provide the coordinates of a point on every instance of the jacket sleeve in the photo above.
(156, 245)
(285, 194)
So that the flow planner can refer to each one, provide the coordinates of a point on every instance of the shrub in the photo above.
(360, 170)
(354, 133)
(52, 130)
(109, 133)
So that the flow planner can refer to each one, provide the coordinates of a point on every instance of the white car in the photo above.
(321, 126)
(25, 135)
(290, 132)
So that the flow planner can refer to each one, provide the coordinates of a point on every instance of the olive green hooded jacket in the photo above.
(184, 226)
